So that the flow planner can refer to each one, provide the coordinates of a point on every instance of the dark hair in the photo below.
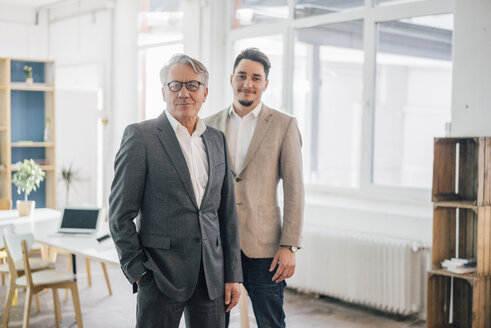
(256, 55)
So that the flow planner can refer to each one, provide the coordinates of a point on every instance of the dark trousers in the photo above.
(155, 309)
(266, 295)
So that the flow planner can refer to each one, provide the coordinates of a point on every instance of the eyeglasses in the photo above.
(176, 86)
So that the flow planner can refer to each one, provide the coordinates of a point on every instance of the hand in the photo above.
(286, 260)
(232, 294)
(140, 278)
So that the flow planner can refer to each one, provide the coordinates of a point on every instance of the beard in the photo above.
(245, 103)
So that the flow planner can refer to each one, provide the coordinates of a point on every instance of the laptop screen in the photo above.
(80, 219)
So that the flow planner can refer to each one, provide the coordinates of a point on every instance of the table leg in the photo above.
(74, 265)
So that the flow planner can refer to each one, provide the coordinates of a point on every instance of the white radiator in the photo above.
(384, 273)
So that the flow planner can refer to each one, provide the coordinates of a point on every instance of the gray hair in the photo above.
(196, 65)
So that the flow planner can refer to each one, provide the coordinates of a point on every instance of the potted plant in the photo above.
(28, 74)
(68, 175)
(27, 178)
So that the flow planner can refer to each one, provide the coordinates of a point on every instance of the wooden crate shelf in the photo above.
(470, 304)
(442, 272)
(474, 236)
(461, 224)
(462, 164)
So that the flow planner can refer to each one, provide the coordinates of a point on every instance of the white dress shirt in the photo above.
(194, 151)
(239, 132)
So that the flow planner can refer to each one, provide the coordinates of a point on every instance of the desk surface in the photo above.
(44, 223)
(87, 246)
(40, 214)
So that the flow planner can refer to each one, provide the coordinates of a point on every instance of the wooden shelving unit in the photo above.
(24, 110)
(461, 225)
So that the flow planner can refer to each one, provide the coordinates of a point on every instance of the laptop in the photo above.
(82, 221)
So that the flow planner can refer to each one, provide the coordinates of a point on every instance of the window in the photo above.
(392, 2)
(306, 8)
(328, 92)
(248, 12)
(413, 93)
(159, 37)
(369, 86)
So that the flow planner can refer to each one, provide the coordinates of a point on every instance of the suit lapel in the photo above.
(171, 146)
(263, 122)
(211, 162)
(221, 124)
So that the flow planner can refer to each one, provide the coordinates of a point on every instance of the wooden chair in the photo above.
(37, 264)
(17, 247)
(55, 252)
(5, 204)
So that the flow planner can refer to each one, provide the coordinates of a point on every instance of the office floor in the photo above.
(118, 311)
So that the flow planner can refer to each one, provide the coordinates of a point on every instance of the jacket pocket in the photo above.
(269, 225)
(154, 241)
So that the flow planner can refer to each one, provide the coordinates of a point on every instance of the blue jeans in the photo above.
(266, 295)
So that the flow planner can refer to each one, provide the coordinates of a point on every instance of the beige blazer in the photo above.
(274, 154)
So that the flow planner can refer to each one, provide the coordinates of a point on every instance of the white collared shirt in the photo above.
(239, 132)
(194, 151)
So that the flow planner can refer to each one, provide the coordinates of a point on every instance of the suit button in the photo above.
(238, 179)
(196, 239)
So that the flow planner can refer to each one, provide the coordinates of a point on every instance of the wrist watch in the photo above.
(294, 249)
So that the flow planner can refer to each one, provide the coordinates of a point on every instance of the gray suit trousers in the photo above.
(155, 309)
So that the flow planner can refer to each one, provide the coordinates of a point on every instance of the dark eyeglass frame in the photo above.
(188, 85)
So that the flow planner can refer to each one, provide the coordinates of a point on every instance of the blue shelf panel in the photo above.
(17, 71)
(27, 118)
(39, 196)
(22, 153)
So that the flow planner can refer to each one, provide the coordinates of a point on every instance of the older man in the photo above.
(265, 147)
(173, 173)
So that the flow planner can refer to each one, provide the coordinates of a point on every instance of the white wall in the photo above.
(80, 46)
(471, 101)
(76, 141)
(20, 37)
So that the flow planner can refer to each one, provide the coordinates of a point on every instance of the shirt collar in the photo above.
(255, 112)
(176, 126)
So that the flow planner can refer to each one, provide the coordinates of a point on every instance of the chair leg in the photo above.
(87, 266)
(3, 274)
(44, 252)
(8, 305)
(14, 301)
(69, 269)
(27, 308)
(56, 302)
(76, 304)
(36, 298)
(104, 269)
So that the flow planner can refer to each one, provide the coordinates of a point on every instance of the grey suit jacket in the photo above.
(274, 154)
(152, 181)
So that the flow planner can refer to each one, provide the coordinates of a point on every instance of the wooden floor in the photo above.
(118, 311)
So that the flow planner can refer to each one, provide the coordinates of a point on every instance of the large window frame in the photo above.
(371, 16)
(142, 51)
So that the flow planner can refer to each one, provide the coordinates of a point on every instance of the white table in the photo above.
(43, 219)
(44, 222)
(86, 246)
